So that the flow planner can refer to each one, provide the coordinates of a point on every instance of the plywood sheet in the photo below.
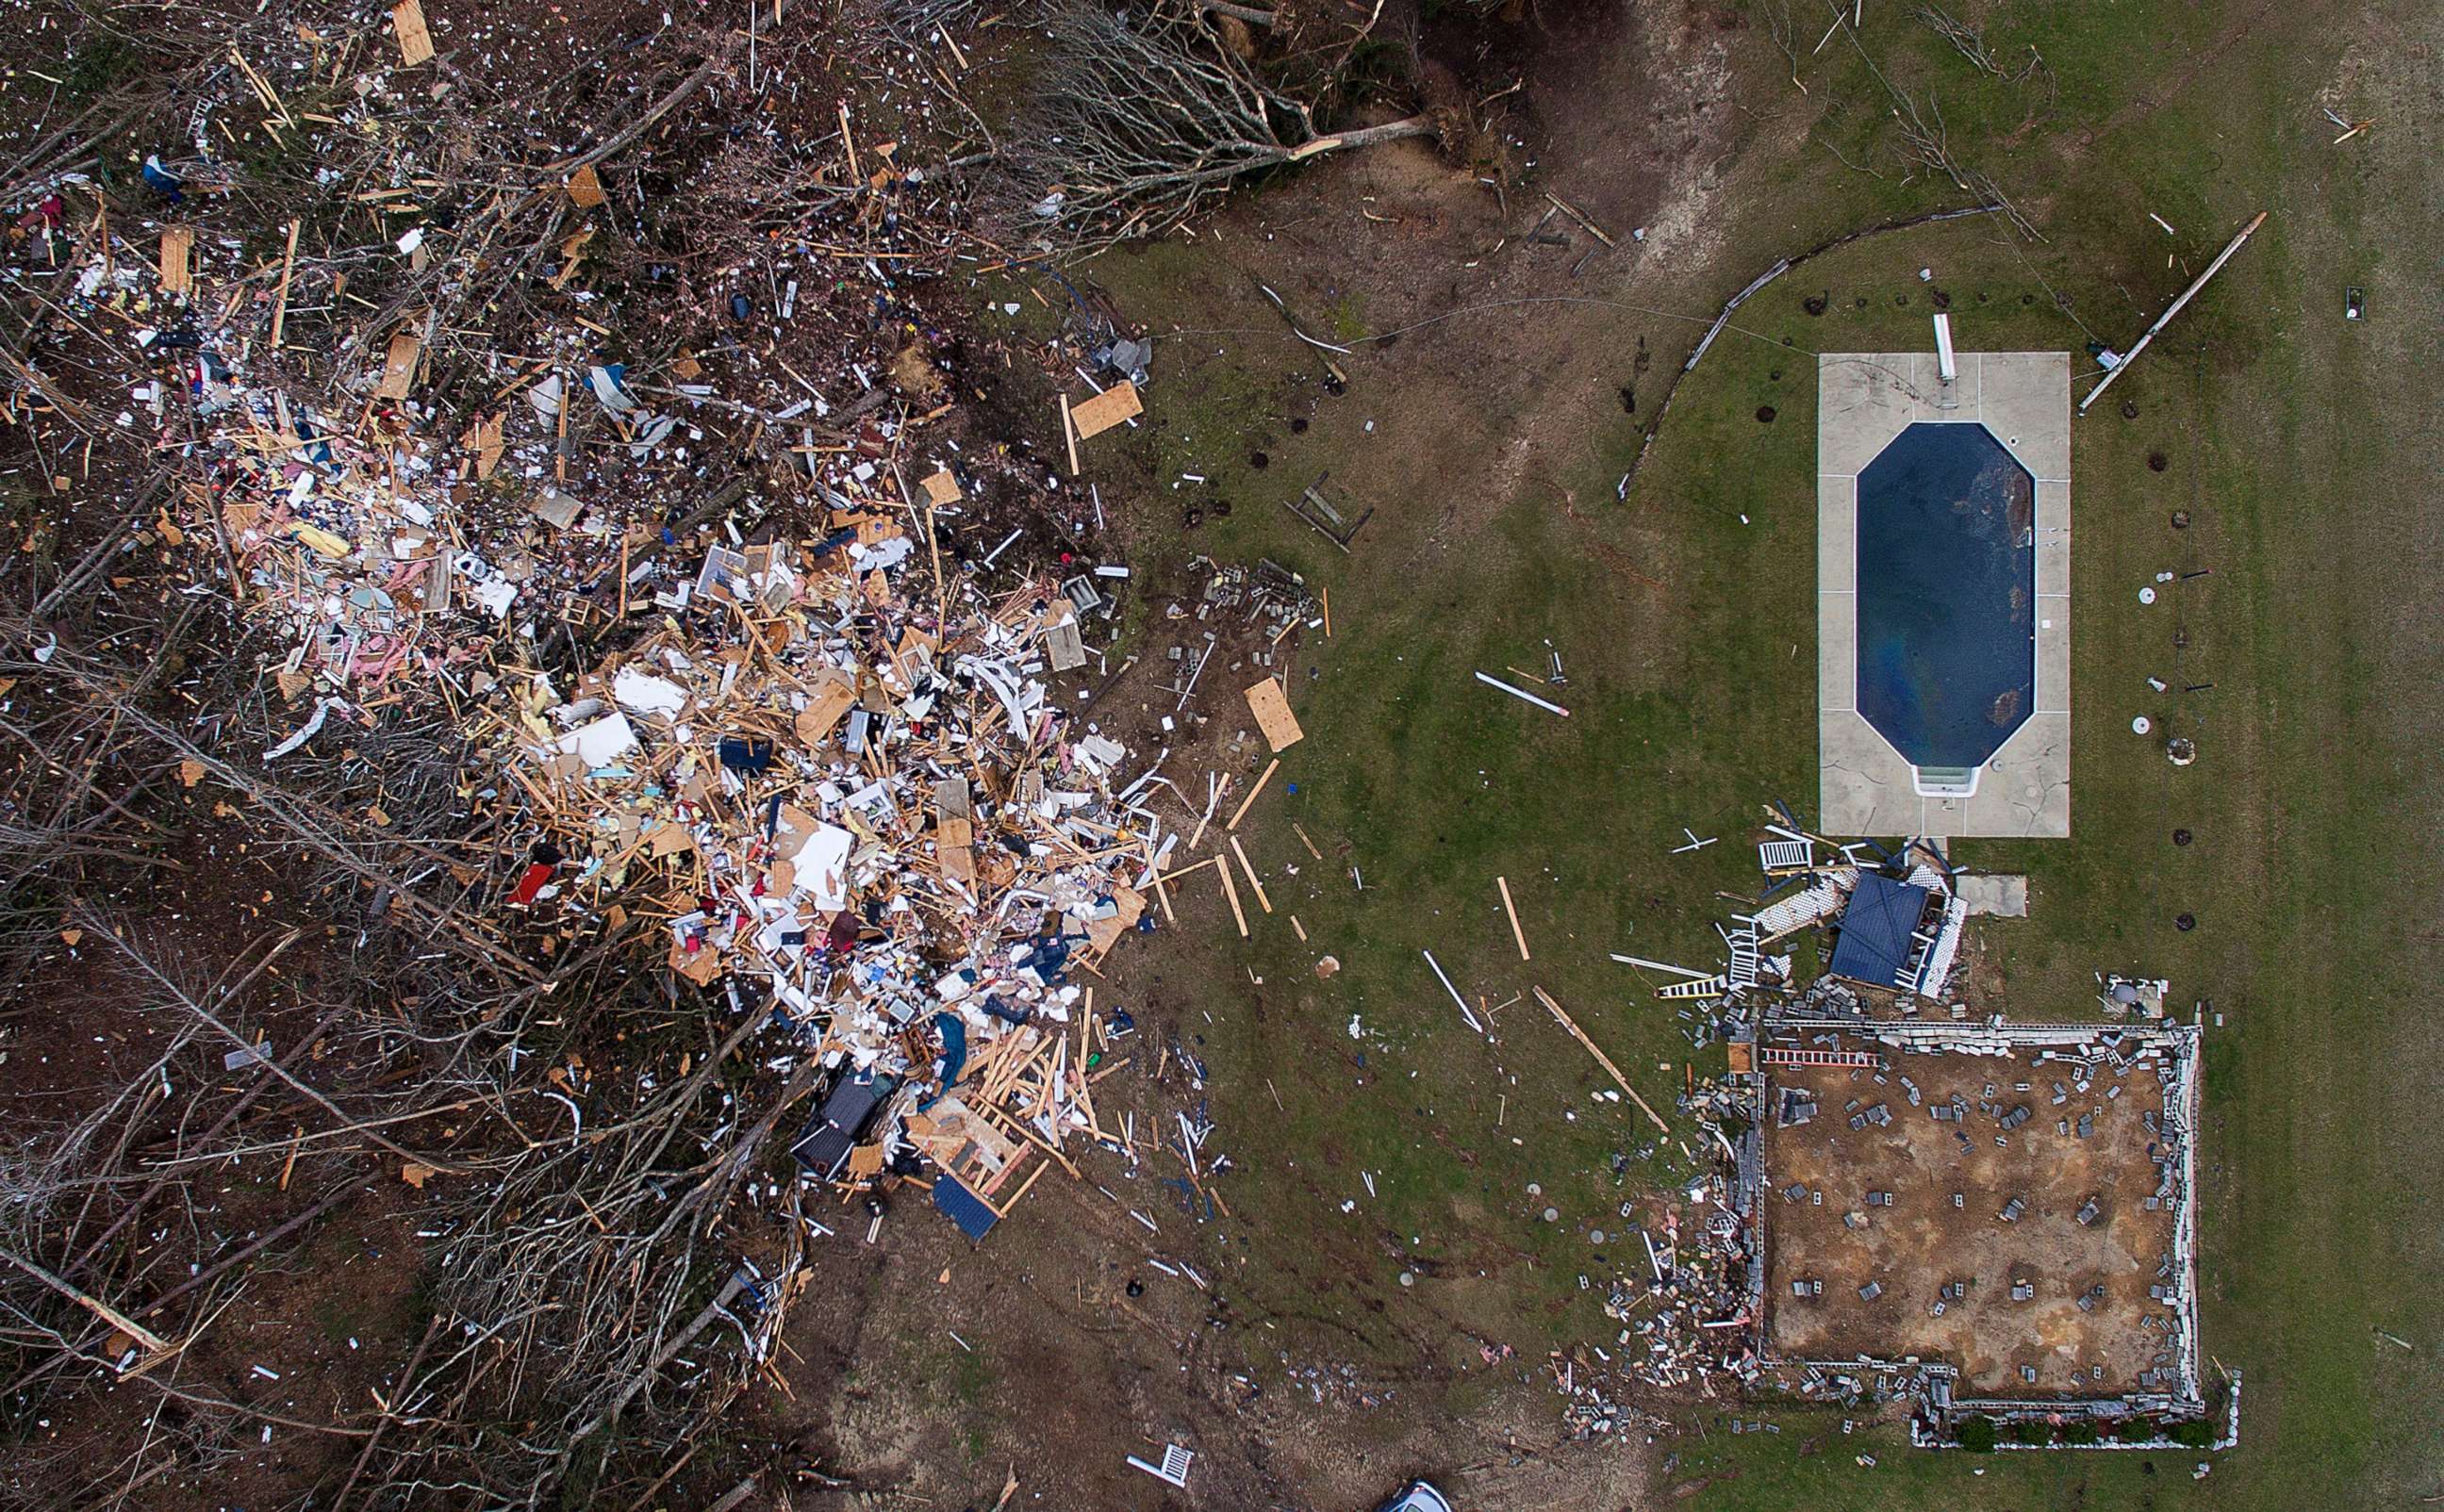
(1106, 410)
(1271, 707)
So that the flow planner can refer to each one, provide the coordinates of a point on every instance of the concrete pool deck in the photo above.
(1864, 400)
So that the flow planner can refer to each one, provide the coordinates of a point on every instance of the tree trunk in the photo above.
(1365, 137)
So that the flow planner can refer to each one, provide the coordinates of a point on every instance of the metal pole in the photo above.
(2212, 268)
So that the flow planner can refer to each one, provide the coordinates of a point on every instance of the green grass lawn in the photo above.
(1687, 635)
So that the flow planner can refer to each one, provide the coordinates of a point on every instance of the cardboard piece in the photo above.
(585, 189)
(1271, 707)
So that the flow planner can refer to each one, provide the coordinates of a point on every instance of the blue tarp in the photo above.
(1874, 946)
(964, 1208)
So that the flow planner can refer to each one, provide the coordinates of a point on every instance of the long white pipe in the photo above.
(1522, 692)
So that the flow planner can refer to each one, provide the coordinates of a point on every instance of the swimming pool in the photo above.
(1945, 598)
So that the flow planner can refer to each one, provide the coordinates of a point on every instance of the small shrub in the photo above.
(2134, 1431)
(2081, 1433)
(1975, 1434)
(2194, 1435)
(2030, 1433)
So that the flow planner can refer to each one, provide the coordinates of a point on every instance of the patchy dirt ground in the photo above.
(1921, 1241)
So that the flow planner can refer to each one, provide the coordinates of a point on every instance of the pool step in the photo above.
(1946, 781)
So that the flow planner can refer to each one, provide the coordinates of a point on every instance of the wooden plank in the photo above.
(399, 368)
(942, 487)
(1069, 434)
(1270, 768)
(1271, 707)
(1113, 406)
(1173, 876)
(1252, 879)
(1602, 1059)
(1504, 884)
(414, 42)
(1231, 892)
(177, 259)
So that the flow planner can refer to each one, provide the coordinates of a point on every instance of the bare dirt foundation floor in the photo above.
(1921, 1241)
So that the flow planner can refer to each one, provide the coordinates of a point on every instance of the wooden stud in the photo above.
(1504, 885)
(1270, 768)
(1252, 879)
(1232, 893)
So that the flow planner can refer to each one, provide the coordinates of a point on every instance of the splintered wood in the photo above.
(1271, 707)
(414, 42)
(1113, 406)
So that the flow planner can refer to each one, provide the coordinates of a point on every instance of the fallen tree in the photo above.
(1137, 121)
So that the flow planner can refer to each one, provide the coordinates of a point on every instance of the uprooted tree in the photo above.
(1138, 119)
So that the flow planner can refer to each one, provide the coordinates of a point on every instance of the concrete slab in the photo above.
(2027, 403)
(2003, 896)
(1864, 400)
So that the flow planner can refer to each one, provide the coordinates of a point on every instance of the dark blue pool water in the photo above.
(1947, 588)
